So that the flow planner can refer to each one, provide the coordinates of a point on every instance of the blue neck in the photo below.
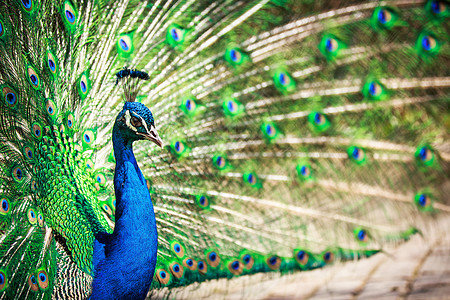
(130, 252)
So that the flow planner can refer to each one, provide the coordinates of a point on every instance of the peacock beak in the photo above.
(152, 135)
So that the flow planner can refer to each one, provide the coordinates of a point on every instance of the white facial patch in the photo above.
(144, 124)
(128, 121)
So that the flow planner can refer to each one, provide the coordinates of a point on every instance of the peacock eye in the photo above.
(136, 122)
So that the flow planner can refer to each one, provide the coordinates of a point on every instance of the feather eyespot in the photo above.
(34, 185)
(331, 44)
(100, 178)
(235, 55)
(69, 13)
(42, 279)
(27, 5)
(374, 89)
(28, 152)
(89, 164)
(36, 129)
(107, 209)
(424, 202)
(384, 16)
(328, 257)
(356, 154)
(219, 162)
(51, 65)
(179, 147)
(202, 268)
(176, 269)
(273, 262)
(5, 206)
(18, 174)
(51, 108)
(125, 43)
(51, 62)
(248, 261)
(162, 276)
(319, 121)
(232, 106)
(270, 130)
(33, 77)
(2, 30)
(202, 201)
(178, 249)
(70, 121)
(428, 43)
(3, 280)
(302, 257)
(176, 34)
(284, 79)
(83, 84)
(31, 216)
(40, 220)
(190, 104)
(425, 155)
(284, 82)
(88, 137)
(190, 264)
(437, 7)
(319, 118)
(304, 171)
(32, 282)
(235, 267)
(213, 258)
(251, 178)
(361, 235)
(10, 96)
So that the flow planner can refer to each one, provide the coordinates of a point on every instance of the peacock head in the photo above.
(135, 122)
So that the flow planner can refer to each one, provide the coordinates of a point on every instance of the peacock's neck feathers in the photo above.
(132, 247)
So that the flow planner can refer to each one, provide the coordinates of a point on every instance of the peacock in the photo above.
(150, 145)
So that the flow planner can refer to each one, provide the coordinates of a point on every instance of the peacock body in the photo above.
(297, 133)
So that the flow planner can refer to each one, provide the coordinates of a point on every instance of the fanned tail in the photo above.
(298, 133)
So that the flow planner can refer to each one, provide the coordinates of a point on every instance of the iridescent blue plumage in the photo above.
(127, 257)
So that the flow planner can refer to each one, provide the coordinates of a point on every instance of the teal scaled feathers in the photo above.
(297, 134)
